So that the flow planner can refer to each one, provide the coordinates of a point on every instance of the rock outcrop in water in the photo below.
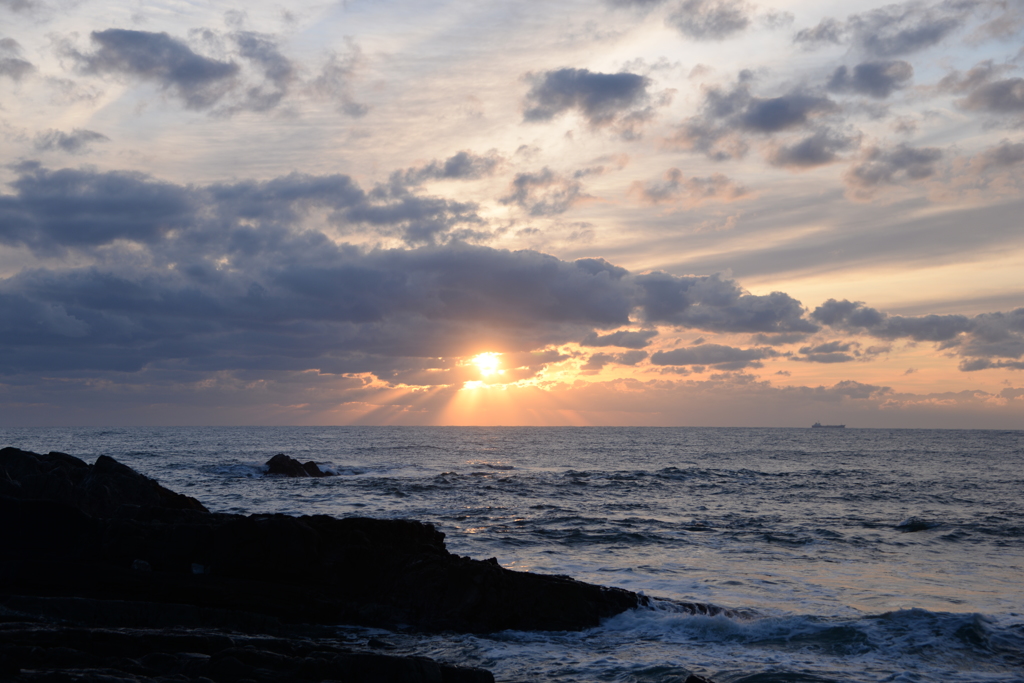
(103, 545)
(290, 467)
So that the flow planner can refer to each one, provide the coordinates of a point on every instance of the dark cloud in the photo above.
(999, 335)
(999, 97)
(975, 364)
(51, 210)
(627, 339)
(770, 115)
(886, 167)
(978, 340)
(675, 187)
(11, 64)
(892, 30)
(980, 74)
(902, 29)
(710, 19)
(828, 31)
(74, 142)
(199, 81)
(715, 356)
(597, 361)
(727, 113)
(876, 79)
(1004, 154)
(304, 304)
(191, 280)
(68, 208)
(855, 316)
(464, 165)
(544, 193)
(601, 98)
(26, 6)
(716, 305)
(984, 90)
(817, 149)
(278, 71)
(829, 352)
(855, 390)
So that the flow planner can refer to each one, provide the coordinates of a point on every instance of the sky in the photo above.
(600, 212)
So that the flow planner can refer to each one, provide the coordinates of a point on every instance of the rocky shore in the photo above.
(107, 576)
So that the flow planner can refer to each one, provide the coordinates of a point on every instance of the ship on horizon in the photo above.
(819, 425)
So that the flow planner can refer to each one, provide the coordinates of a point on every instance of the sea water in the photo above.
(842, 554)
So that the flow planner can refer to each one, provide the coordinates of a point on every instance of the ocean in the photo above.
(840, 554)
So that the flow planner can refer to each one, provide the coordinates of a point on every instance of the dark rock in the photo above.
(34, 651)
(77, 541)
(96, 490)
(290, 467)
(312, 569)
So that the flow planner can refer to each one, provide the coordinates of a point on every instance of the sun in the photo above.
(488, 364)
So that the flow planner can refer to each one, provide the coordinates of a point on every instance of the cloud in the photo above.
(829, 352)
(200, 82)
(979, 339)
(822, 147)
(984, 90)
(888, 167)
(67, 208)
(302, 304)
(827, 31)
(892, 30)
(770, 115)
(11, 64)
(999, 97)
(627, 339)
(53, 210)
(715, 356)
(999, 335)
(855, 316)
(334, 82)
(74, 142)
(675, 188)
(603, 99)
(710, 19)
(597, 361)
(25, 6)
(716, 305)
(240, 277)
(464, 165)
(876, 79)
(544, 193)
(278, 71)
(1003, 155)
(725, 114)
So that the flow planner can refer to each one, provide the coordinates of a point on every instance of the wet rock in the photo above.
(290, 467)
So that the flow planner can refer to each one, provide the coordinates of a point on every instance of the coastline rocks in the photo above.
(78, 530)
(96, 490)
(290, 467)
(32, 650)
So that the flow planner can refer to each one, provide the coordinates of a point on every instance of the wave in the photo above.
(931, 640)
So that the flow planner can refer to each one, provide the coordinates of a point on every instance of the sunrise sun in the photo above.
(488, 363)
